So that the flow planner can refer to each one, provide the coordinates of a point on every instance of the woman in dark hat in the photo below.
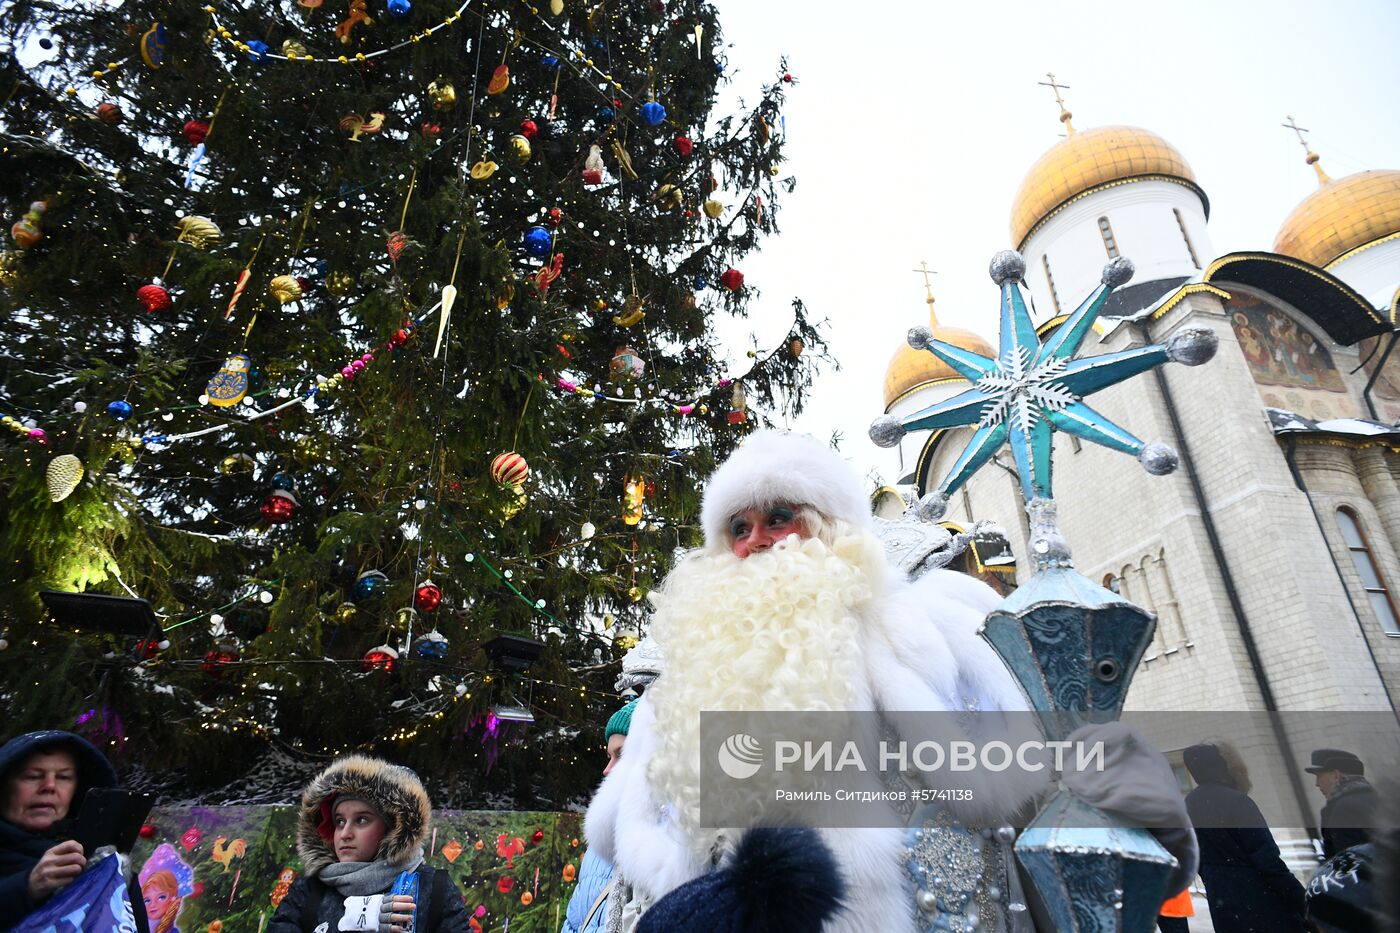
(43, 778)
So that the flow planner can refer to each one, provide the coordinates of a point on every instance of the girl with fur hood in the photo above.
(360, 837)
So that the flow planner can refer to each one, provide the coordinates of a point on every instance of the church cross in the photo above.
(1065, 115)
(1313, 158)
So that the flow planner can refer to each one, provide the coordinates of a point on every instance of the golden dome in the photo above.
(1086, 161)
(1341, 215)
(909, 368)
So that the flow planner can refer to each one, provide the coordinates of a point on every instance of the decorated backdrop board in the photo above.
(225, 869)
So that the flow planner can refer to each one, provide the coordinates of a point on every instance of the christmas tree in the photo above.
(371, 343)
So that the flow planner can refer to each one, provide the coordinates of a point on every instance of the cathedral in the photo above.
(1271, 557)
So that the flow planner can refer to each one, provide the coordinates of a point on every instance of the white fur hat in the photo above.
(773, 466)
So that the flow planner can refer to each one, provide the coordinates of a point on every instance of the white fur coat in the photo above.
(922, 652)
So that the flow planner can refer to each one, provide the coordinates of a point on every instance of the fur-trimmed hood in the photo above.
(393, 790)
(773, 467)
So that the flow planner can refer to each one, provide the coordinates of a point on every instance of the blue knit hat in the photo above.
(620, 721)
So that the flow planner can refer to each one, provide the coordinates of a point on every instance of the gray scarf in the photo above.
(364, 879)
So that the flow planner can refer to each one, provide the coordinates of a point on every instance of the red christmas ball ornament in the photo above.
(196, 131)
(684, 145)
(556, 216)
(732, 279)
(305, 283)
(427, 597)
(383, 658)
(154, 298)
(147, 831)
(528, 128)
(787, 77)
(431, 131)
(505, 884)
(279, 507)
(220, 658)
(109, 113)
(537, 837)
(148, 648)
(509, 469)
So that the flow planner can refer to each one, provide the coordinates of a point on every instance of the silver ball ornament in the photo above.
(1007, 266)
(1118, 271)
(1192, 346)
(886, 431)
(1158, 459)
(933, 506)
(918, 337)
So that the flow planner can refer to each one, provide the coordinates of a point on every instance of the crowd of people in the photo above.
(790, 605)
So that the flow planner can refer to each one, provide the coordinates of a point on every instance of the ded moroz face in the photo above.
(754, 530)
(40, 791)
(358, 831)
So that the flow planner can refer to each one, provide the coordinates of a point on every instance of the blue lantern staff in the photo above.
(1071, 644)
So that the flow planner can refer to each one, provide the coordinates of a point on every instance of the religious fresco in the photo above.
(1293, 369)
(1385, 394)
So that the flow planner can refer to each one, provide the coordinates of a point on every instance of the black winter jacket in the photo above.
(1248, 887)
(1348, 815)
(451, 918)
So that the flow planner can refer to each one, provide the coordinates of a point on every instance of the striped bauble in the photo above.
(510, 469)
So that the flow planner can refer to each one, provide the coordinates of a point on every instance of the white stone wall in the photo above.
(1144, 228)
(1374, 272)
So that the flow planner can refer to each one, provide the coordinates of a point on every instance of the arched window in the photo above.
(1110, 242)
(1050, 280)
(1112, 583)
(1376, 590)
(1181, 223)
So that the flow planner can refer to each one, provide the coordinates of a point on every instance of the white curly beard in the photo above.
(778, 631)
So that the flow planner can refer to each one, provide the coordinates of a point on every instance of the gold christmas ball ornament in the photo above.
(635, 594)
(199, 232)
(442, 94)
(345, 613)
(556, 7)
(667, 197)
(234, 464)
(340, 284)
(285, 288)
(520, 148)
(713, 208)
(293, 49)
(64, 474)
(625, 643)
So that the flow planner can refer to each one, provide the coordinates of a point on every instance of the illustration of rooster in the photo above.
(226, 854)
(358, 126)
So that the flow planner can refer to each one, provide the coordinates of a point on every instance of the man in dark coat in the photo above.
(1248, 887)
(1351, 807)
(43, 778)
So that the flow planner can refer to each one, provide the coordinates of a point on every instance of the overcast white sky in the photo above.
(913, 124)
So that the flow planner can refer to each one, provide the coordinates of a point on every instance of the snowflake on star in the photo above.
(1033, 389)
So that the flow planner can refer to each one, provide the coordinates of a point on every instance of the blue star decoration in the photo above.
(1033, 389)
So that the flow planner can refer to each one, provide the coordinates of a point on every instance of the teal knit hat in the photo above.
(620, 721)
